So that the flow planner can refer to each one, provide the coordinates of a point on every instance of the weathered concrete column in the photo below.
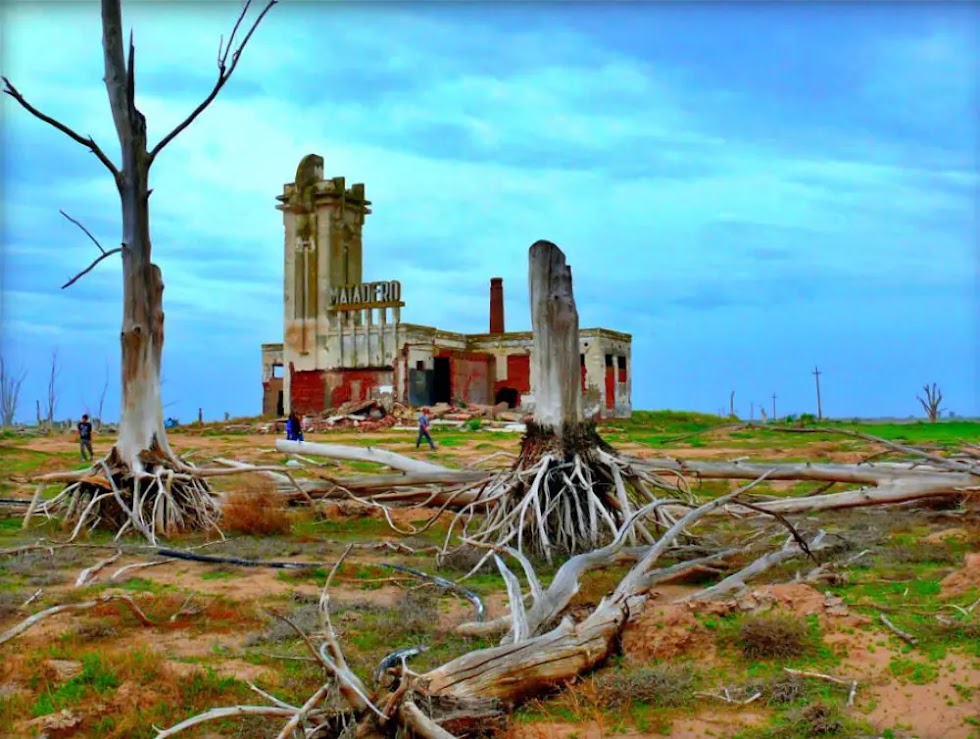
(555, 373)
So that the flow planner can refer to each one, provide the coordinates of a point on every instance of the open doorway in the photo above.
(507, 395)
(442, 391)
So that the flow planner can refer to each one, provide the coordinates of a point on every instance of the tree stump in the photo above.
(555, 365)
(568, 491)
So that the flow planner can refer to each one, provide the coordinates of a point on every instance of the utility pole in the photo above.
(774, 406)
(816, 374)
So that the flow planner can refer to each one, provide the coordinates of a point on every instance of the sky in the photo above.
(749, 189)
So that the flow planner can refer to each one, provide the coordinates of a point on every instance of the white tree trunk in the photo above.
(141, 417)
(360, 454)
(555, 367)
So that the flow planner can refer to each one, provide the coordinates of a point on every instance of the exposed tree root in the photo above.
(566, 493)
(161, 496)
(476, 688)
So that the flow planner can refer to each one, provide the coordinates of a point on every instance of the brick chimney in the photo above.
(496, 305)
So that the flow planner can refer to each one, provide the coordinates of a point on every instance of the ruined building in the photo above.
(344, 339)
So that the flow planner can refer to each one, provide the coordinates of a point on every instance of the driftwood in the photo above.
(534, 658)
(359, 454)
(36, 618)
(884, 483)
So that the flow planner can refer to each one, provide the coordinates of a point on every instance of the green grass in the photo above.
(95, 678)
(655, 428)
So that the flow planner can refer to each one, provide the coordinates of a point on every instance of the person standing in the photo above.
(424, 429)
(294, 427)
(85, 436)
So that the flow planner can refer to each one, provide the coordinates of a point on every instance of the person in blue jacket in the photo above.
(294, 427)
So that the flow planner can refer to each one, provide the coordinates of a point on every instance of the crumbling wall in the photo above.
(272, 385)
(471, 377)
(345, 385)
(518, 376)
(307, 390)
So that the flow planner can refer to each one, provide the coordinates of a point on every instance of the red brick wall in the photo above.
(355, 384)
(610, 387)
(519, 372)
(470, 378)
(307, 390)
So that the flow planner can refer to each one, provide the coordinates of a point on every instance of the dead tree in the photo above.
(105, 389)
(568, 491)
(934, 396)
(141, 483)
(10, 385)
(52, 390)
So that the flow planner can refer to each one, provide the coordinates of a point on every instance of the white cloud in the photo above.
(443, 128)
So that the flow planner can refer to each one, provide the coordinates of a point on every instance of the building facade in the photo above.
(344, 339)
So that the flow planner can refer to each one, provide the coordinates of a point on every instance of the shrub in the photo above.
(10, 601)
(473, 424)
(921, 552)
(818, 719)
(658, 685)
(462, 559)
(774, 637)
(255, 510)
(415, 613)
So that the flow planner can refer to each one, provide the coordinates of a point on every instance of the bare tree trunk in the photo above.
(554, 321)
(52, 389)
(142, 440)
(141, 411)
(105, 389)
(9, 393)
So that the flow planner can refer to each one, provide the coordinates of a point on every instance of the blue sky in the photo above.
(749, 189)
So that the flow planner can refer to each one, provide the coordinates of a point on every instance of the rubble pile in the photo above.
(384, 413)
(373, 415)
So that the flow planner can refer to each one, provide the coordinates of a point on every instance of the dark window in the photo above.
(621, 362)
(420, 365)
(609, 362)
(581, 360)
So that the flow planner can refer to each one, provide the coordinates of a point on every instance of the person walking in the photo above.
(85, 437)
(294, 427)
(424, 429)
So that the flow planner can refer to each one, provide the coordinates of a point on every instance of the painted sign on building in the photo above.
(366, 295)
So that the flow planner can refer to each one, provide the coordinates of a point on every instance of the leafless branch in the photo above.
(903, 635)
(9, 89)
(224, 73)
(85, 230)
(54, 610)
(92, 266)
(95, 241)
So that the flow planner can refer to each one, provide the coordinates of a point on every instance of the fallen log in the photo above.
(884, 483)
(359, 454)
